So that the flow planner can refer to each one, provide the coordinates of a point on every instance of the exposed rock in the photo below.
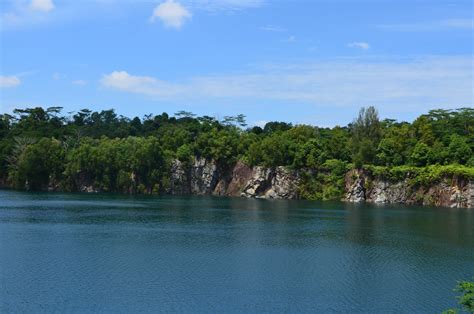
(258, 183)
(221, 187)
(179, 179)
(203, 176)
(284, 184)
(278, 183)
(88, 189)
(240, 176)
(470, 194)
(449, 192)
(454, 193)
(386, 192)
(355, 186)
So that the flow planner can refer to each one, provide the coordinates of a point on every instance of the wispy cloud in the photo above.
(26, 13)
(56, 76)
(360, 45)
(429, 82)
(447, 24)
(79, 82)
(272, 28)
(171, 13)
(225, 5)
(9, 81)
(42, 5)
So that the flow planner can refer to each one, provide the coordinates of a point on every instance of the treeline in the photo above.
(43, 147)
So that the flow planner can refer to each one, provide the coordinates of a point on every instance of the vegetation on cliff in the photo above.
(42, 147)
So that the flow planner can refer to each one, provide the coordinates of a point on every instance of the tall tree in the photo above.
(366, 135)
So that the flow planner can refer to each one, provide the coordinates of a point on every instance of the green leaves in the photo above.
(366, 134)
(465, 299)
(117, 164)
(36, 165)
(114, 153)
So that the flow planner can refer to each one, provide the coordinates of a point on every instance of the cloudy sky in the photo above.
(302, 61)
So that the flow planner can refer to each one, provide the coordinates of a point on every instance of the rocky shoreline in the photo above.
(204, 177)
(451, 192)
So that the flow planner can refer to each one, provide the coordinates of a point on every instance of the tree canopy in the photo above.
(42, 146)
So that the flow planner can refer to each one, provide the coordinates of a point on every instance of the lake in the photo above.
(111, 253)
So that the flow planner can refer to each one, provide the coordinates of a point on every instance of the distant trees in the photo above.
(37, 164)
(41, 147)
(126, 165)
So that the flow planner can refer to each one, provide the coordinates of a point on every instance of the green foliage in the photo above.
(327, 183)
(421, 175)
(37, 165)
(185, 153)
(394, 148)
(458, 150)
(465, 299)
(421, 154)
(41, 147)
(366, 135)
(273, 150)
(126, 165)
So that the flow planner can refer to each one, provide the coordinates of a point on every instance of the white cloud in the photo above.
(226, 5)
(146, 85)
(360, 45)
(171, 13)
(41, 5)
(272, 28)
(26, 13)
(9, 81)
(447, 24)
(79, 82)
(429, 82)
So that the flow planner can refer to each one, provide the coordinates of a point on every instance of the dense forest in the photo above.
(40, 147)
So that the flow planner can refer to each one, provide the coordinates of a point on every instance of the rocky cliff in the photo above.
(206, 177)
(452, 191)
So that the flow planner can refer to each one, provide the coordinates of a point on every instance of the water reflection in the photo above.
(117, 253)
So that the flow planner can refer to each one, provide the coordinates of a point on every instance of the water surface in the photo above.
(109, 253)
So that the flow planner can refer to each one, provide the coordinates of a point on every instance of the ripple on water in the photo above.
(100, 253)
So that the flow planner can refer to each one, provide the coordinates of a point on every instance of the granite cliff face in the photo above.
(449, 192)
(205, 177)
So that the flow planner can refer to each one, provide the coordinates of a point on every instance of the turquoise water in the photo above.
(109, 253)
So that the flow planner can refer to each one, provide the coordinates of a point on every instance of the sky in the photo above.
(301, 61)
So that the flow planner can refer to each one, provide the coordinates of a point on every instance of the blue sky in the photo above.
(314, 62)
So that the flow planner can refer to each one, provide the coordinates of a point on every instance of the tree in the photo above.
(366, 134)
(421, 155)
(272, 127)
(458, 150)
(114, 153)
(39, 164)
